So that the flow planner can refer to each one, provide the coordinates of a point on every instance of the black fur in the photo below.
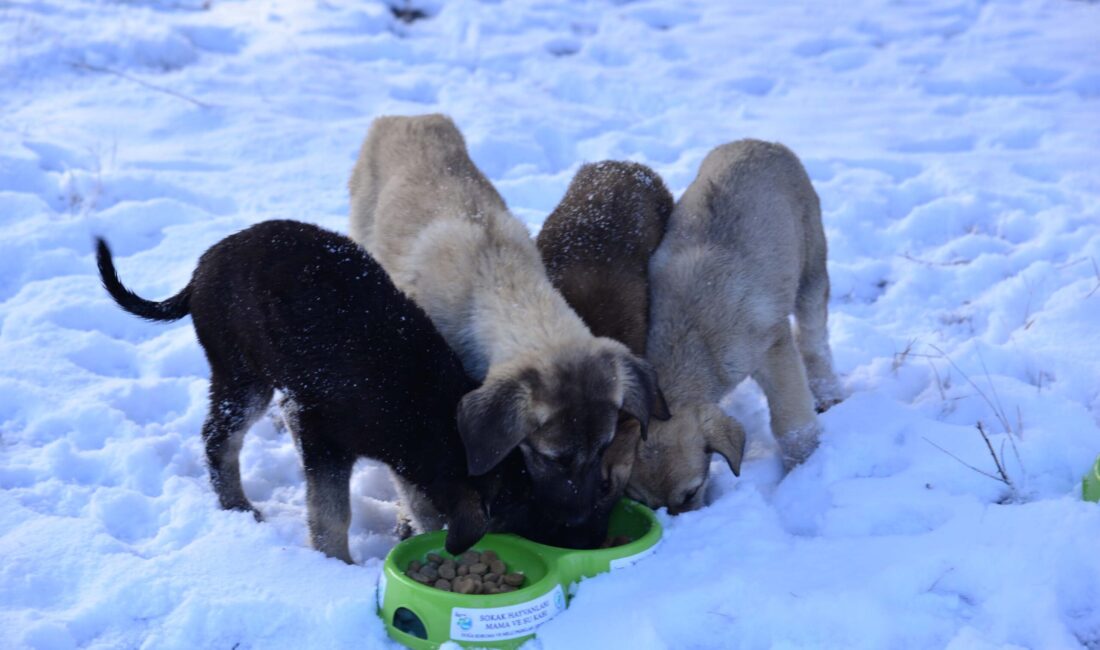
(171, 309)
(290, 306)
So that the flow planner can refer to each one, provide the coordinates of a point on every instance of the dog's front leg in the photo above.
(328, 477)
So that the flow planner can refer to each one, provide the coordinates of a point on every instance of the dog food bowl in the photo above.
(1090, 486)
(422, 617)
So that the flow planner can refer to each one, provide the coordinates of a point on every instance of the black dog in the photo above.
(290, 306)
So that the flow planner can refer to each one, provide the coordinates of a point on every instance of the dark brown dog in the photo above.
(596, 246)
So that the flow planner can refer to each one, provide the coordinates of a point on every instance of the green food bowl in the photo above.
(1090, 485)
(423, 617)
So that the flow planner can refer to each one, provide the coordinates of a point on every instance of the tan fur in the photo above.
(745, 249)
(421, 207)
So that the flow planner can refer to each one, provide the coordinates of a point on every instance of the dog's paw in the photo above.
(827, 393)
(403, 529)
(796, 446)
(822, 405)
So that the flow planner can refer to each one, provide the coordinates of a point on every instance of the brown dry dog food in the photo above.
(469, 573)
(617, 540)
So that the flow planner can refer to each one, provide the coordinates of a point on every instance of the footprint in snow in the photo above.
(945, 144)
(152, 401)
(663, 18)
(563, 46)
(419, 92)
(755, 85)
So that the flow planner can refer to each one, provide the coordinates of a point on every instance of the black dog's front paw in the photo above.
(465, 528)
(403, 528)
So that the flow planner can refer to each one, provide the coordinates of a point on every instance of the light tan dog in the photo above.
(421, 207)
(745, 248)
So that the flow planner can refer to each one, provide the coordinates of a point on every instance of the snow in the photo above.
(954, 144)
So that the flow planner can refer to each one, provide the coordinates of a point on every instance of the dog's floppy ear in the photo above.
(493, 419)
(725, 436)
(642, 398)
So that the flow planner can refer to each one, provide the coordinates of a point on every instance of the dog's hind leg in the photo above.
(234, 406)
(811, 317)
(328, 480)
(783, 379)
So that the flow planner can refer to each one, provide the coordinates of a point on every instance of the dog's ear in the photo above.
(725, 436)
(642, 398)
(495, 418)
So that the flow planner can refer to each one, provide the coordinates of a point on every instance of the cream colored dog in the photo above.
(421, 207)
(745, 249)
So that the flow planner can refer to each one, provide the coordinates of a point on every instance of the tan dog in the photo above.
(596, 246)
(551, 388)
(745, 249)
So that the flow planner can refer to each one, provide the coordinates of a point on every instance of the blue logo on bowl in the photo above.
(464, 621)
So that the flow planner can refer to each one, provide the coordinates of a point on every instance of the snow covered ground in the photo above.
(955, 145)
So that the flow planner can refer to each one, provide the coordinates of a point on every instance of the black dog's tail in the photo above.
(174, 308)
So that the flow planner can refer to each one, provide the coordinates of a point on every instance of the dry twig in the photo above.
(996, 459)
(980, 471)
(956, 262)
(1095, 270)
(118, 73)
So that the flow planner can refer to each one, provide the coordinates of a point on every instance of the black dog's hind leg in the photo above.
(234, 406)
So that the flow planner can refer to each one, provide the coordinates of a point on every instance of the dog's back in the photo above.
(750, 219)
(437, 225)
(597, 242)
(414, 170)
(753, 203)
(304, 306)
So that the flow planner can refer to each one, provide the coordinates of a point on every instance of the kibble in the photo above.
(513, 579)
(469, 573)
(617, 540)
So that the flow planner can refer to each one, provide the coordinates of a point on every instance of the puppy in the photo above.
(745, 248)
(289, 306)
(597, 242)
(551, 389)
(596, 246)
